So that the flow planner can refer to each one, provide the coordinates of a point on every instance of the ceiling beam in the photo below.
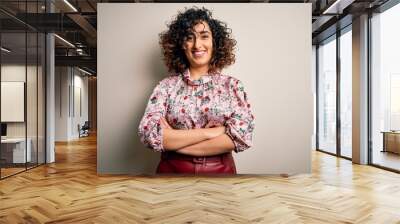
(85, 61)
(84, 24)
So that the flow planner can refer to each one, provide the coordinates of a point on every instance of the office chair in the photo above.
(84, 130)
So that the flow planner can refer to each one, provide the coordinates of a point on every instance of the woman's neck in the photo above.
(196, 73)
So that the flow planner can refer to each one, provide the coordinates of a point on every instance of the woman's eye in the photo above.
(189, 38)
(205, 37)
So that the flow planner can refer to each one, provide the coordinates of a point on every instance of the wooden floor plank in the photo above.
(70, 191)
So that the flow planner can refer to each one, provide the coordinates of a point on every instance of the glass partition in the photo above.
(327, 96)
(22, 77)
(385, 89)
(13, 94)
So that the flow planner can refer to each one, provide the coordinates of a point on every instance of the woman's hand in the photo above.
(215, 130)
(164, 123)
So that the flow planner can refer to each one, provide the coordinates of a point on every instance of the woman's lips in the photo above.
(198, 53)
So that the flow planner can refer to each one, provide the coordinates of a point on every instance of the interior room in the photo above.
(77, 78)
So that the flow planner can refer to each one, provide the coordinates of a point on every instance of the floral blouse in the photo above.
(189, 104)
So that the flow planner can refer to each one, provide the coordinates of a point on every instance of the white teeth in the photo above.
(199, 53)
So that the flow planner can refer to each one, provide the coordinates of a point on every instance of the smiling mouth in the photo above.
(198, 54)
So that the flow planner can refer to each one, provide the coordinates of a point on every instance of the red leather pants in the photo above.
(172, 162)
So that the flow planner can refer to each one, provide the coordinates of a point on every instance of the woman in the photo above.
(197, 116)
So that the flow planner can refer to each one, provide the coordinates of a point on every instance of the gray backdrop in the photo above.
(273, 61)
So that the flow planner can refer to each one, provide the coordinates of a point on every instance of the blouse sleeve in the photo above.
(150, 130)
(240, 125)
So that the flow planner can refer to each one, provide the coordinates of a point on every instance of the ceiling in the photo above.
(76, 22)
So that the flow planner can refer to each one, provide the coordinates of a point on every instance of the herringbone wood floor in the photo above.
(69, 191)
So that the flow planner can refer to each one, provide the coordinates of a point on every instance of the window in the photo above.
(346, 93)
(385, 88)
(327, 96)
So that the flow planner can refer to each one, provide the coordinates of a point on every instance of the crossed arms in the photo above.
(206, 141)
(236, 133)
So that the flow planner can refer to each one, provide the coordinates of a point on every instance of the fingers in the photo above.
(164, 123)
(213, 124)
(210, 124)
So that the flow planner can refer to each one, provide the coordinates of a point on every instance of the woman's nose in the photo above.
(197, 43)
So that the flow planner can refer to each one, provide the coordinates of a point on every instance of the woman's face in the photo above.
(198, 46)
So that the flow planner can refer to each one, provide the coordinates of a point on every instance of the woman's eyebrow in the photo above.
(202, 32)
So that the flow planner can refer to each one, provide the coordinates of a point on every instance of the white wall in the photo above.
(61, 103)
(273, 61)
(68, 81)
(79, 117)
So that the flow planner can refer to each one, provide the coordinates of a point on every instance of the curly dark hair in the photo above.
(172, 40)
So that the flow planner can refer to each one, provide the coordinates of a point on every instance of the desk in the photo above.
(15, 148)
(391, 141)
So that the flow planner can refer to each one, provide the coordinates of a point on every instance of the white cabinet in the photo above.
(18, 149)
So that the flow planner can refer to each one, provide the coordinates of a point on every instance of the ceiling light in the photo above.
(337, 7)
(64, 40)
(86, 72)
(5, 50)
(79, 51)
(70, 5)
